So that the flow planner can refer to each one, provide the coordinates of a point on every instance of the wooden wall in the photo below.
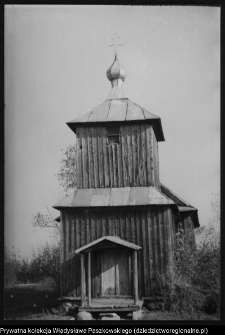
(133, 162)
(188, 226)
(152, 228)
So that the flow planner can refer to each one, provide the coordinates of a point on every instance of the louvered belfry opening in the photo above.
(118, 227)
(113, 135)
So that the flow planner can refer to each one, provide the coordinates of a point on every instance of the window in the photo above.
(113, 134)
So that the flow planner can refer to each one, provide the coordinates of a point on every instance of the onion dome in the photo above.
(116, 74)
(116, 70)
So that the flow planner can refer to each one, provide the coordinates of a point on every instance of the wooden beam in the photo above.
(89, 280)
(135, 278)
(117, 274)
(82, 269)
(107, 309)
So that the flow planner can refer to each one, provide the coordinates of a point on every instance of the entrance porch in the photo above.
(109, 275)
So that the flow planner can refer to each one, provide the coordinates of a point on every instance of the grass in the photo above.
(25, 299)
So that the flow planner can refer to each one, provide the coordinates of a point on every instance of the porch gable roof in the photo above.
(110, 239)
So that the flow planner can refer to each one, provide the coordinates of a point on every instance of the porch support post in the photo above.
(82, 268)
(135, 277)
(89, 280)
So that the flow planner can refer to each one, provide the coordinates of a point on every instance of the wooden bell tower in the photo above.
(118, 226)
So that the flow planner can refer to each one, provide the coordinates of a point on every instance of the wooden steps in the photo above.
(112, 305)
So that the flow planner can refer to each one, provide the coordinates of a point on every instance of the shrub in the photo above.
(9, 273)
(194, 285)
(47, 284)
(44, 266)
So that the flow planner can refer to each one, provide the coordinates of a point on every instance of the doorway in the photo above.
(112, 273)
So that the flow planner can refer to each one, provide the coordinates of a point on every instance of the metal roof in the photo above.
(118, 110)
(181, 204)
(113, 239)
(186, 209)
(114, 197)
(165, 190)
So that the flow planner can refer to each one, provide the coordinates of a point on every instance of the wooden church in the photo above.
(118, 227)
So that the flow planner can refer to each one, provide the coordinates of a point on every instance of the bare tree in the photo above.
(67, 177)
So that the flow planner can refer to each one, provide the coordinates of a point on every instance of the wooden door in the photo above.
(116, 273)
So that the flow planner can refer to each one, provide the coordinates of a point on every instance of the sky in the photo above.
(56, 58)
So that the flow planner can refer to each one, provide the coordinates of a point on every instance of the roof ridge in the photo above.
(151, 113)
(126, 110)
(161, 193)
(109, 109)
(90, 115)
(143, 109)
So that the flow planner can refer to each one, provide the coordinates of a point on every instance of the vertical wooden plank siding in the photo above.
(138, 231)
(151, 133)
(72, 255)
(129, 156)
(67, 223)
(133, 144)
(150, 253)
(62, 245)
(135, 279)
(95, 155)
(157, 165)
(84, 155)
(148, 157)
(158, 242)
(114, 165)
(144, 250)
(144, 157)
(79, 159)
(149, 227)
(78, 245)
(100, 159)
(133, 162)
(188, 227)
(169, 239)
(82, 279)
(89, 279)
(105, 156)
(119, 162)
(110, 160)
(124, 154)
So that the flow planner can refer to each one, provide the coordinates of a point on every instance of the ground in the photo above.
(32, 302)
(152, 316)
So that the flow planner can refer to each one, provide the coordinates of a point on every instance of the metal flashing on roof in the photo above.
(186, 209)
(112, 239)
(166, 191)
(114, 197)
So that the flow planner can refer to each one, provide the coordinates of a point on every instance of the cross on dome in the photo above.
(116, 37)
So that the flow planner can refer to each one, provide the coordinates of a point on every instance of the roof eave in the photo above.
(157, 125)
